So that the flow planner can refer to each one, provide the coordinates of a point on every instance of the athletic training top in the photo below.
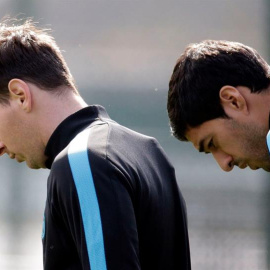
(268, 137)
(124, 212)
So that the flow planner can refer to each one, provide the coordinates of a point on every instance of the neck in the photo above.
(51, 110)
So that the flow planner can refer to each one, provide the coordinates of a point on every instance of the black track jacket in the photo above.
(142, 211)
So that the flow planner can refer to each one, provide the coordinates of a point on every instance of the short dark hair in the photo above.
(199, 74)
(31, 54)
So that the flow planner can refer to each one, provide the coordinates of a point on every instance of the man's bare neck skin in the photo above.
(51, 109)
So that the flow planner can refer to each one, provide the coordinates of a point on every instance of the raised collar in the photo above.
(69, 128)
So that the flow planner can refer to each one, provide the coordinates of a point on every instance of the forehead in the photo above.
(194, 135)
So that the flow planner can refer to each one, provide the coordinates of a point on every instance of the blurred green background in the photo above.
(121, 54)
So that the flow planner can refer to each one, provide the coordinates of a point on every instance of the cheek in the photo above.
(8, 139)
(242, 148)
(232, 145)
(12, 137)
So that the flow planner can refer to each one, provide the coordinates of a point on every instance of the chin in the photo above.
(266, 167)
(33, 166)
(254, 167)
(36, 164)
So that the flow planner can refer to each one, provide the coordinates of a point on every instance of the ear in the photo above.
(232, 100)
(20, 92)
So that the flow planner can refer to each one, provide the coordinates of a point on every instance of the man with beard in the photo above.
(219, 99)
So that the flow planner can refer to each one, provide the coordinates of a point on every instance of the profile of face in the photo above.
(240, 139)
(18, 133)
(232, 143)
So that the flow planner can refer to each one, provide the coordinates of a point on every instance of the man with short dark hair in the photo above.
(113, 201)
(219, 99)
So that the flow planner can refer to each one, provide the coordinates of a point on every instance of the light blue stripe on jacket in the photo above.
(81, 171)
(268, 140)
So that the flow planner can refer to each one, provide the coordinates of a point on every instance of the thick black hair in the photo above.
(199, 74)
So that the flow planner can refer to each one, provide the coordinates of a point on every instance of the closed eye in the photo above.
(211, 144)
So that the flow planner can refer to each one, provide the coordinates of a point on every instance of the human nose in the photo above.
(224, 160)
(2, 149)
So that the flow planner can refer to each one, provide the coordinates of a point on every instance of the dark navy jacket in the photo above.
(143, 214)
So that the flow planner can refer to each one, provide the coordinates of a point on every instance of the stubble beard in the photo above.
(252, 138)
